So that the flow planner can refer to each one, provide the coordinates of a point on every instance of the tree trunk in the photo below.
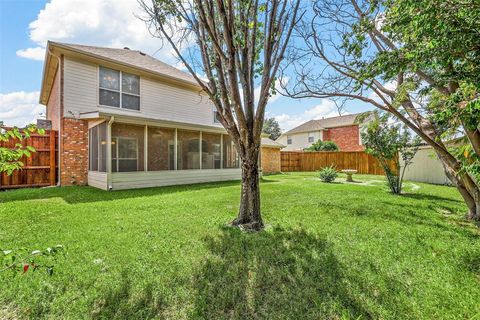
(465, 185)
(249, 215)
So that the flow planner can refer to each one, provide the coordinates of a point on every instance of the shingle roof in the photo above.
(133, 58)
(267, 142)
(315, 125)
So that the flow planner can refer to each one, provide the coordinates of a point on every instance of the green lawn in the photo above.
(331, 251)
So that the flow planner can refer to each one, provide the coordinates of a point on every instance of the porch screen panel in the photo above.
(188, 149)
(230, 155)
(93, 149)
(97, 146)
(102, 147)
(128, 146)
(160, 145)
(211, 143)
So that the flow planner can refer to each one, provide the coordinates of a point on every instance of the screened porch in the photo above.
(123, 156)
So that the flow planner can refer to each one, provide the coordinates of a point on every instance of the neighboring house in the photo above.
(127, 120)
(343, 130)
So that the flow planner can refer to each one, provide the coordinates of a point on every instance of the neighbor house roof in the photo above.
(321, 124)
(267, 142)
(127, 57)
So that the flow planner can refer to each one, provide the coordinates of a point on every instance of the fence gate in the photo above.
(40, 169)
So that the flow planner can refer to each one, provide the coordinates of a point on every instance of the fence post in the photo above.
(52, 158)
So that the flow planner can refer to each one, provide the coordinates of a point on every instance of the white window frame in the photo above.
(117, 138)
(214, 110)
(311, 136)
(120, 91)
(289, 140)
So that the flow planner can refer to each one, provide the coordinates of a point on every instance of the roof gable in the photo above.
(133, 59)
(321, 124)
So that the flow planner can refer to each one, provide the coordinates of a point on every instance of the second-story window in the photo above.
(289, 140)
(216, 115)
(119, 89)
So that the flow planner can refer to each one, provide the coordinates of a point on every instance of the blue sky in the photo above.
(26, 25)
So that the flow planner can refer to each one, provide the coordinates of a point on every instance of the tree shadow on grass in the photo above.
(282, 274)
(85, 194)
(123, 302)
(428, 197)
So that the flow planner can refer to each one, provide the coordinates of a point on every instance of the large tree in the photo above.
(416, 59)
(238, 46)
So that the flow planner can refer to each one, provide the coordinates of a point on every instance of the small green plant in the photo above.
(23, 260)
(328, 174)
(322, 146)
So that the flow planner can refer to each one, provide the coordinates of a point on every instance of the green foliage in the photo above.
(461, 109)
(10, 157)
(272, 128)
(440, 37)
(328, 174)
(322, 146)
(23, 260)
(387, 142)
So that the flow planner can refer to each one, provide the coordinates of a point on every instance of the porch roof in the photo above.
(141, 120)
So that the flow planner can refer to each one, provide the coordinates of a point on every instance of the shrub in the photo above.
(388, 142)
(322, 146)
(328, 174)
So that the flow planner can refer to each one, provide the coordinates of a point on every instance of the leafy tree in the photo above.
(10, 158)
(322, 146)
(387, 142)
(416, 59)
(272, 128)
(238, 46)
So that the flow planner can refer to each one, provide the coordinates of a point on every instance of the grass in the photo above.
(331, 251)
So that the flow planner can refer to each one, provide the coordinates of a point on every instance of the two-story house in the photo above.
(343, 130)
(128, 120)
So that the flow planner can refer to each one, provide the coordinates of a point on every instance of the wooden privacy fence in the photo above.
(40, 168)
(292, 161)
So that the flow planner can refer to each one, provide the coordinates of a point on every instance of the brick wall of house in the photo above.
(270, 158)
(347, 138)
(74, 155)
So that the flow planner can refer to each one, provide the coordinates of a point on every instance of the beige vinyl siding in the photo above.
(80, 87)
(98, 180)
(299, 140)
(426, 167)
(131, 180)
(158, 100)
(167, 102)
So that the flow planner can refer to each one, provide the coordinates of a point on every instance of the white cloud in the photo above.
(20, 108)
(37, 53)
(325, 109)
(93, 22)
(274, 96)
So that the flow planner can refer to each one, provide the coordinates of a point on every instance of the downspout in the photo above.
(60, 74)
